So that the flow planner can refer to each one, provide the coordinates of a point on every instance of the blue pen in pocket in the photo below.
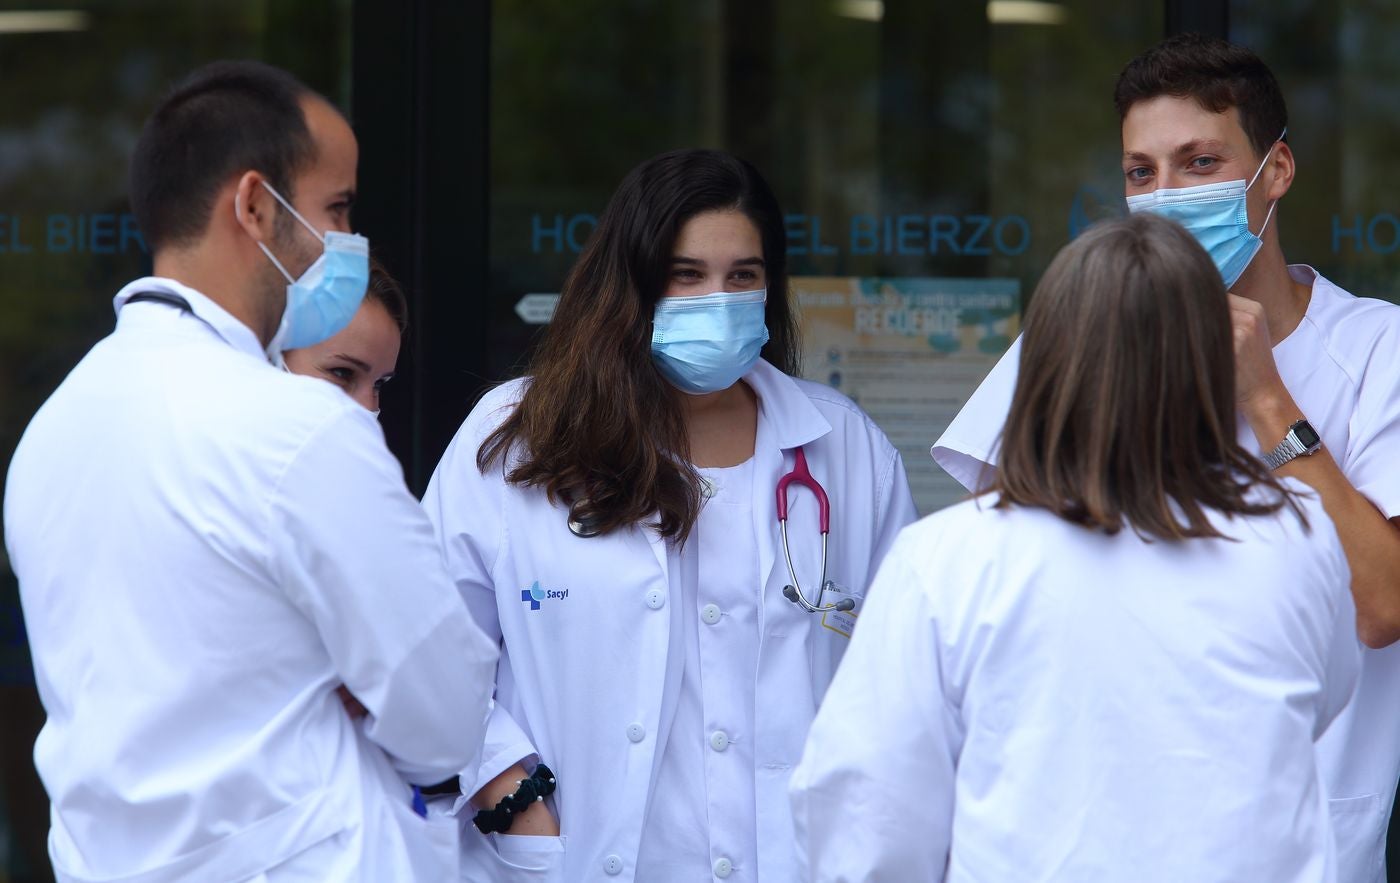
(420, 805)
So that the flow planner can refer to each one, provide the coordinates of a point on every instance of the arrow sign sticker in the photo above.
(536, 309)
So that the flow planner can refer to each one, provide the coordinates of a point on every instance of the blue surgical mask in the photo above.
(706, 343)
(323, 300)
(1217, 215)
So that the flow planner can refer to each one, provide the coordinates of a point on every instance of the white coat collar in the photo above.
(233, 332)
(785, 407)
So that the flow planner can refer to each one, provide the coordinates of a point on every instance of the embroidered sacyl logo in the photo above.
(536, 595)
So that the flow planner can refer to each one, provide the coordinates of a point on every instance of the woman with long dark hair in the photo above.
(1112, 665)
(613, 518)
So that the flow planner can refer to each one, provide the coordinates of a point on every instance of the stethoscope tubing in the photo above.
(800, 474)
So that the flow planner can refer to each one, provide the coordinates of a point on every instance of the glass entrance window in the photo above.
(931, 158)
(1337, 65)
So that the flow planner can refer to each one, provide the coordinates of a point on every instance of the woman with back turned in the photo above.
(1112, 665)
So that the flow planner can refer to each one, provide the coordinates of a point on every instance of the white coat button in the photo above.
(710, 613)
(719, 740)
(723, 867)
(613, 865)
(656, 599)
(707, 488)
(636, 732)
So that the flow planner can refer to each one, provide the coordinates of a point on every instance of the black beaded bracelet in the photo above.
(536, 788)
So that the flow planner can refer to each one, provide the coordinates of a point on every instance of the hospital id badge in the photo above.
(843, 622)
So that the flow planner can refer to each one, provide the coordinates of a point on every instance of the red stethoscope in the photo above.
(800, 474)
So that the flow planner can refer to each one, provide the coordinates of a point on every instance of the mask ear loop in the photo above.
(1257, 172)
(1274, 203)
(296, 214)
(238, 215)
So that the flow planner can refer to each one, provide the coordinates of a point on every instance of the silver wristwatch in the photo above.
(1301, 441)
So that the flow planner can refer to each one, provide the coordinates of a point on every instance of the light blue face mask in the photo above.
(706, 343)
(1217, 215)
(323, 300)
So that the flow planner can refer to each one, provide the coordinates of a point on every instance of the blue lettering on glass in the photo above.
(999, 234)
(819, 247)
(1338, 232)
(979, 235)
(804, 235)
(100, 233)
(1379, 234)
(794, 227)
(865, 238)
(908, 234)
(563, 233)
(538, 233)
(571, 232)
(12, 236)
(898, 234)
(104, 234)
(945, 228)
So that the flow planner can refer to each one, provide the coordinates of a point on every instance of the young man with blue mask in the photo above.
(211, 552)
(1204, 128)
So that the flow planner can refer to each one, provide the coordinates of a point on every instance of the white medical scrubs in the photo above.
(712, 732)
(1342, 366)
(206, 548)
(1028, 700)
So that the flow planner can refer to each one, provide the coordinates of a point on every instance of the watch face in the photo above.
(1306, 434)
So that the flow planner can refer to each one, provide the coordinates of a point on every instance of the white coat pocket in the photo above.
(502, 858)
(1359, 825)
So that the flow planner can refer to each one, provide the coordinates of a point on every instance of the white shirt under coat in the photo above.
(712, 728)
(206, 548)
(1028, 700)
(1342, 366)
(590, 674)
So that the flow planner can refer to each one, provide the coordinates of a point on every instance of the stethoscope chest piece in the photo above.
(583, 528)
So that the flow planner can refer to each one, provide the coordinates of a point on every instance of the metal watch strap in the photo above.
(1287, 450)
(1300, 440)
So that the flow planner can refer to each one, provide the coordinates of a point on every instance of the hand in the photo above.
(1256, 374)
(352, 705)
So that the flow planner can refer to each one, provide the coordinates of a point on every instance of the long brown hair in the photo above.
(1124, 409)
(598, 427)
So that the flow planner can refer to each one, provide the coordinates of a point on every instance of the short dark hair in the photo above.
(598, 427)
(1217, 74)
(1124, 408)
(223, 119)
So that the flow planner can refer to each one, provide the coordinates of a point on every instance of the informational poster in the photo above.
(910, 351)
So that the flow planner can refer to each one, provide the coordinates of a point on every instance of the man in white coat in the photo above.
(212, 551)
(1318, 372)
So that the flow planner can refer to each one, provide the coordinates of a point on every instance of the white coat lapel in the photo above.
(769, 462)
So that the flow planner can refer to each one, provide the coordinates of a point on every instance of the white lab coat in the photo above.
(206, 547)
(586, 682)
(1028, 700)
(1341, 365)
